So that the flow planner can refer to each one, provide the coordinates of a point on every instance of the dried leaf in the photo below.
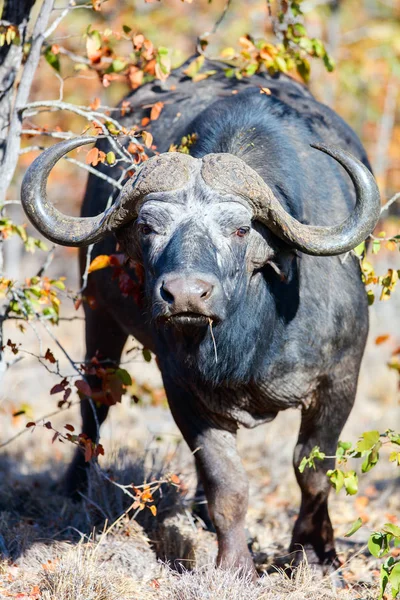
(95, 104)
(100, 262)
(50, 356)
(83, 387)
(156, 110)
(147, 138)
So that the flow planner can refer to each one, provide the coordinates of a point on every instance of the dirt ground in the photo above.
(55, 549)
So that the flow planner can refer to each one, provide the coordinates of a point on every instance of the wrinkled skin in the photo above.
(288, 330)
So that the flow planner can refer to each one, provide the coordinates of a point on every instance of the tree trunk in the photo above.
(15, 12)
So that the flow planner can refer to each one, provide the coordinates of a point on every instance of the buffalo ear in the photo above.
(282, 263)
(127, 241)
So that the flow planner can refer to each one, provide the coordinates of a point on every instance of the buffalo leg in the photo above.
(106, 338)
(320, 426)
(222, 474)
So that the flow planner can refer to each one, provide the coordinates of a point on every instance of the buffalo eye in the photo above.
(145, 229)
(242, 231)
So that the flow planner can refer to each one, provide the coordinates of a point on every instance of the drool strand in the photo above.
(213, 339)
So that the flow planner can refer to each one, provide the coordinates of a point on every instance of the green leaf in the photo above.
(336, 477)
(229, 73)
(391, 529)
(303, 69)
(329, 63)
(395, 457)
(303, 464)
(118, 65)
(355, 527)
(280, 64)
(378, 544)
(193, 69)
(360, 249)
(393, 436)
(52, 59)
(126, 28)
(251, 69)
(146, 354)
(384, 579)
(319, 48)
(110, 157)
(394, 579)
(351, 483)
(376, 246)
(367, 441)
(299, 29)
(124, 376)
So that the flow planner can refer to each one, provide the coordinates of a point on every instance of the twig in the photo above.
(58, 20)
(218, 22)
(44, 417)
(61, 135)
(47, 262)
(390, 202)
(94, 171)
(73, 364)
(90, 247)
(86, 113)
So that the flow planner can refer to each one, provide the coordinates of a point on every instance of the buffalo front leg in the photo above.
(321, 426)
(222, 474)
(104, 338)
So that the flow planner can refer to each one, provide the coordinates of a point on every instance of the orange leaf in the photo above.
(145, 121)
(153, 510)
(100, 262)
(156, 110)
(265, 90)
(95, 104)
(381, 339)
(92, 157)
(88, 450)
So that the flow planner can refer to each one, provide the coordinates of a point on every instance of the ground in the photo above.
(55, 549)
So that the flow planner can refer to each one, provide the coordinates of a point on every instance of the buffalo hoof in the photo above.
(329, 566)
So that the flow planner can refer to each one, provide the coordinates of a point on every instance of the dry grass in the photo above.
(55, 549)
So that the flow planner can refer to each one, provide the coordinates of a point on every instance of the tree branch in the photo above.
(14, 131)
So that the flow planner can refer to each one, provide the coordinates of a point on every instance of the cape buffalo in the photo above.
(247, 303)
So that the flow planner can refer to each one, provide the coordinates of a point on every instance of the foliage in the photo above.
(380, 543)
(291, 53)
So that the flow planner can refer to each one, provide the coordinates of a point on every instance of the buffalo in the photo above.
(247, 301)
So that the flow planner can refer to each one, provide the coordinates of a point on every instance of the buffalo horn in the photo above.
(227, 173)
(161, 173)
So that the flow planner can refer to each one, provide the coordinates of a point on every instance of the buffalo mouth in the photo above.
(189, 319)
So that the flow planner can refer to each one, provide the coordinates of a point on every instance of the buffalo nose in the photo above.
(186, 294)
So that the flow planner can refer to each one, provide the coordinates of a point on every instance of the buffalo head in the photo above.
(201, 226)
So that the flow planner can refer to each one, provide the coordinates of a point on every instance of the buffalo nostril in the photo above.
(166, 294)
(206, 294)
